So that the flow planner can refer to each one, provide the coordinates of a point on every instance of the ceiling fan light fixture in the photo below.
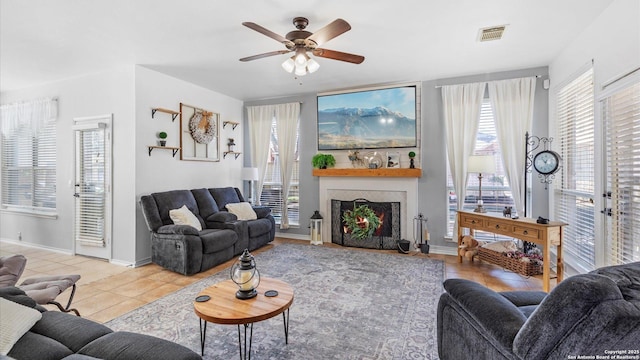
(312, 65)
(289, 65)
(301, 70)
(301, 58)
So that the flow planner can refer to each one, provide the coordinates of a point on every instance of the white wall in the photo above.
(108, 92)
(612, 41)
(161, 171)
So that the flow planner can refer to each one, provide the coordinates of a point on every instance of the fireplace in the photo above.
(385, 237)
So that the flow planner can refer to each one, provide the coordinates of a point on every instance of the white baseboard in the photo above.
(293, 236)
(37, 246)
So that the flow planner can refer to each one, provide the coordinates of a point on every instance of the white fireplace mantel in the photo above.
(372, 189)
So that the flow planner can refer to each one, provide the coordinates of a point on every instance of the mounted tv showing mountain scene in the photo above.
(370, 119)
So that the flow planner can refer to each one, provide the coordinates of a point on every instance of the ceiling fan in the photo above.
(302, 41)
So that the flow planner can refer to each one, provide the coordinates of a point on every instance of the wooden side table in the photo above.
(525, 229)
(225, 308)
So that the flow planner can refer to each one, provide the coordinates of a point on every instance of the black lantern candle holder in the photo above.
(245, 274)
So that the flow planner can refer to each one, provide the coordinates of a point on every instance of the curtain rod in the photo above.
(439, 86)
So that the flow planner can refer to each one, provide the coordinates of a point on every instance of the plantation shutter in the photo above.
(91, 152)
(29, 156)
(574, 190)
(621, 114)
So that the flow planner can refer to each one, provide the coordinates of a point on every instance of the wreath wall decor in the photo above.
(199, 134)
(202, 129)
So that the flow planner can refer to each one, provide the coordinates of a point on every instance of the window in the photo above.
(621, 115)
(272, 195)
(496, 193)
(573, 201)
(29, 157)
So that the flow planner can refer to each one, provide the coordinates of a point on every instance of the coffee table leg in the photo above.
(286, 326)
(203, 336)
(250, 326)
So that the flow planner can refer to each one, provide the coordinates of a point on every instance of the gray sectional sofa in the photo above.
(184, 249)
(59, 335)
(588, 315)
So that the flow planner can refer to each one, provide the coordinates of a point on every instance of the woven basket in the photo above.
(515, 265)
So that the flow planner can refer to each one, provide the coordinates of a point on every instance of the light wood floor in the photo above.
(106, 291)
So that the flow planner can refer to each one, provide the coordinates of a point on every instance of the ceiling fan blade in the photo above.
(260, 56)
(330, 31)
(267, 32)
(337, 55)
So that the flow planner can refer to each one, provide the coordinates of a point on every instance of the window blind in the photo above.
(90, 186)
(272, 195)
(621, 114)
(574, 190)
(29, 168)
(496, 193)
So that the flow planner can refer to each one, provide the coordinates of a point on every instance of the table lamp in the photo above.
(481, 164)
(250, 174)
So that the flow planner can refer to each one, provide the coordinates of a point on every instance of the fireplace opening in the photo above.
(385, 237)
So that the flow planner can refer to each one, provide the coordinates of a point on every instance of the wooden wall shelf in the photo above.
(174, 150)
(174, 114)
(363, 172)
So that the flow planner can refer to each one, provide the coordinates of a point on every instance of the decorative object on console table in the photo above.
(251, 174)
(412, 155)
(315, 225)
(481, 164)
(163, 138)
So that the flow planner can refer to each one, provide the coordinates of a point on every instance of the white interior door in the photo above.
(92, 218)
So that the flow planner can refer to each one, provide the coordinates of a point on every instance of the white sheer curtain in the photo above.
(35, 115)
(260, 118)
(512, 102)
(287, 127)
(461, 109)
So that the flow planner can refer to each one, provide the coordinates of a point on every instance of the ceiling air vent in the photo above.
(491, 33)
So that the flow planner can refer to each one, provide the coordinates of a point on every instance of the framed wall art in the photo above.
(199, 134)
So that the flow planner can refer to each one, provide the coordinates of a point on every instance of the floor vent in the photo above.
(491, 33)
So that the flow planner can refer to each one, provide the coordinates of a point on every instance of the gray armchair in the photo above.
(584, 315)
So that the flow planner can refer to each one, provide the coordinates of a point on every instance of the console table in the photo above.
(524, 229)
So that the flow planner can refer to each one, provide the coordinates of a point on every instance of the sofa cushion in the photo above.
(16, 320)
(627, 278)
(17, 295)
(174, 199)
(262, 211)
(242, 210)
(184, 216)
(72, 331)
(258, 227)
(206, 203)
(224, 196)
(127, 345)
(37, 346)
(214, 240)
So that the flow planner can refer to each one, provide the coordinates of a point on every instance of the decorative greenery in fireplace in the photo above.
(361, 222)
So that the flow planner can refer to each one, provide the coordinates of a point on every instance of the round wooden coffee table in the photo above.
(224, 308)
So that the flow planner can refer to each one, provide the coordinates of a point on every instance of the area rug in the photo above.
(348, 304)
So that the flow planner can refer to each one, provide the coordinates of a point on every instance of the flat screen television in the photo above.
(368, 119)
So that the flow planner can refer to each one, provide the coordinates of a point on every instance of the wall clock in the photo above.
(546, 162)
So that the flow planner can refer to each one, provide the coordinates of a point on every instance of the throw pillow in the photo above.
(16, 320)
(184, 216)
(242, 210)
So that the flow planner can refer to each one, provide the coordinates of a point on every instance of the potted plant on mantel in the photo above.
(361, 222)
(323, 161)
(163, 138)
